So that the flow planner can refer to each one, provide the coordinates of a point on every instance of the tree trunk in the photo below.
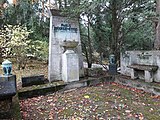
(157, 40)
(89, 45)
(98, 32)
(1, 59)
(60, 4)
(65, 3)
(115, 29)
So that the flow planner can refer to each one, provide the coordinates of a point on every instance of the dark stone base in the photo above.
(33, 80)
(112, 69)
(4, 78)
(7, 89)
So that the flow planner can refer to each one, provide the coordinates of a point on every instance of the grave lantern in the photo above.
(7, 67)
(112, 59)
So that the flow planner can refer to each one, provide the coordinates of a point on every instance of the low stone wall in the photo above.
(138, 84)
(37, 90)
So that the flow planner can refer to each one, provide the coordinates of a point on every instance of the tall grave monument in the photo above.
(65, 54)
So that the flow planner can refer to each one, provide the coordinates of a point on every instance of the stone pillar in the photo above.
(70, 66)
(54, 67)
(133, 74)
(148, 76)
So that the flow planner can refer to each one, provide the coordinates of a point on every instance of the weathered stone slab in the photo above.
(144, 67)
(33, 80)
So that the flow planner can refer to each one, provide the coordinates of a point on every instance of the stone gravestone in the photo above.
(62, 29)
(112, 65)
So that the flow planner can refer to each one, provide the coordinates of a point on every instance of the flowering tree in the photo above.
(19, 44)
(14, 41)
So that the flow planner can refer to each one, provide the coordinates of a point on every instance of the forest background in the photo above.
(106, 27)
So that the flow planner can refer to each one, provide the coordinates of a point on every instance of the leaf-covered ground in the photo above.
(102, 102)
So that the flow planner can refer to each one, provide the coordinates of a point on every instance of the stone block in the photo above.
(70, 67)
(7, 89)
(148, 76)
(33, 80)
(8, 78)
(134, 74)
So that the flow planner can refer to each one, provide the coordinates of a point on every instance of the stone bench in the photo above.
(148, 71)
